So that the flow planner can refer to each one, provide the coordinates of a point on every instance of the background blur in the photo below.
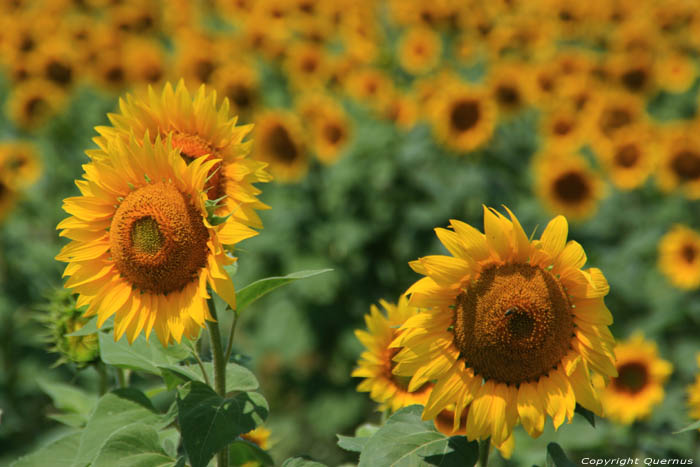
(402, 115)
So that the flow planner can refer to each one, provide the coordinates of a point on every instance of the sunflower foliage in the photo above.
(177, 418)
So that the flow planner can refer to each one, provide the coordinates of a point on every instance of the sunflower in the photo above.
(198, 128)
(145, 61)
(306, 65)
(370, 86)
(629, 158)
(463, 117)
(634, 72)
(35, 101)
(240, 84)
(507, 90)
(676, 72)
(142, 248)
(567, 185)
(259, 436)
(402, 110)
(376, 364)
(511, 326)
(20, 165)
(562, 128)
(679, 164)
(56, 62)
(279, 142)
(615, 111)
(419, 50)
(197, 58)
(679, 257)
(331, 134)
(638, 386)
(694, 394)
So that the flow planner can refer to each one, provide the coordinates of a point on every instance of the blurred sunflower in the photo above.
(141, 246)
(8, 198)
(463, 117)
(259, 436)
(56, 61)
(145, 61)
(198, 128)
(614, 112)
(511, 326)
(507, 88)
(679, 257)
(306, 65)
(638, 386)
(376, 362)
(279, 142)
(240, 84)
(370, 86)
(20, 165)
(402, 111)
(331, 134)
(567, 185)
(679, 164)
(33, 102)
(629, 158)
(676, 72)
(562, 128)
(694, 394)
(419, 50)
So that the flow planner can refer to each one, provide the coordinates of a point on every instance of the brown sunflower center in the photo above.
(513, 324)
(627, 156)
(192, 147)
(562, 127)
(614, 118)
(115, 75)
(158, 239)
(333, 133)
(203, 69)
(689, 253)
(632, 377)
(634, 79)
(508, 96)
(59, 73)
(465, 115)
(686, 165)
(571, 187)
(241, 95)
(35, 107)
(281, 145)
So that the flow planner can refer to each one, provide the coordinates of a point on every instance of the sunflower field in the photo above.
(349, 232)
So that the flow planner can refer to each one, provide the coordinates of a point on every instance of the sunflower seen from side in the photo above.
(679, 257)
(142, 248)
(376, 364)
(514, 329)
(199, 128)
(638, 386)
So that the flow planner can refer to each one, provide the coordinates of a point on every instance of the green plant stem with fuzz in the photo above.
(219, 369)
(484, 448)
(121, 378)
(229, 346)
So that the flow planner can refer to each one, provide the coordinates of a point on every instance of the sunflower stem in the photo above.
(121, 378)
(229, 346)
(102, 371)
(219, 369)
(484, 448)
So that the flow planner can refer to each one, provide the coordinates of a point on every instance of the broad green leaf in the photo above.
(135, 445)
(114, 411)
(301, 462)
(238, 377)
(585, 413)
(68, 398)
(366, 430)
(692, 426)
(556, 457)
(242, 451)
(142, 355)
(69, 419)
(209, 422)
(60, 453)
(169, 440)
(406, 440)
(89, 328)
(352, 443)
(252, 292)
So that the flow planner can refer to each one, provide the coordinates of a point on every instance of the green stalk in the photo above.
(219, 369)
(104, 380)
(484, 448)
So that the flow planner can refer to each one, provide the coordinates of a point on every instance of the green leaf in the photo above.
(60, 453)
(209, 422)
(89, 328)
(114, 411)
(301, 462)
(142, 355)
(69, 419)
(406, 440)
(585, 413)
(366, 430)
(238, 377)
(242, 451)
(352, 443)
(252, 292)
(556, 457)
(135, 445)
(68, 398)
(692, 426)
